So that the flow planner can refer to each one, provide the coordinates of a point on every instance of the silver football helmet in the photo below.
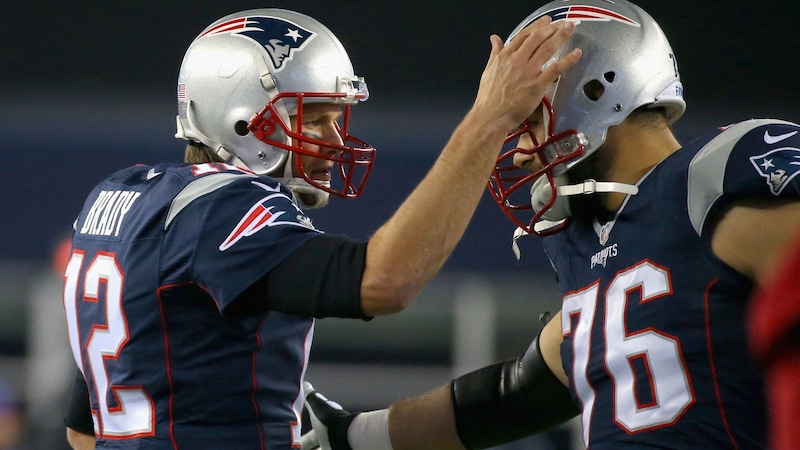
(244, 76)
(627, 63)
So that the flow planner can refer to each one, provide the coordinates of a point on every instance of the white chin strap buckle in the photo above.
(559, 211)
(592, 186)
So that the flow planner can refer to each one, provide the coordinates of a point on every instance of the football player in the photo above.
(656, 247)
(192, 289)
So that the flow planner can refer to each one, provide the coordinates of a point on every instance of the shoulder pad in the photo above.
(198, 188)
(707, 170)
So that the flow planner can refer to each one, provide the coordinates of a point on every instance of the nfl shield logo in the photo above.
(605, 230)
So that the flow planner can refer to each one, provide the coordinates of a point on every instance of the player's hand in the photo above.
(515, 78)
(329, 421)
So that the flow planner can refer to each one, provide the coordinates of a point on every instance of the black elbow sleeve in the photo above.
(510, 400)
(79, 412)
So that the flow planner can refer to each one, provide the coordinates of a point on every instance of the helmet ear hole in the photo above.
(609, 76)
(240, 127)
(594, 90)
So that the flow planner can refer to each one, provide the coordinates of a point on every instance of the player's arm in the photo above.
(80, 441)
(500, 403)
(406, 252)
(332, 276)
(745, 196)
(751, 236)
(78, 419)
(322, 278)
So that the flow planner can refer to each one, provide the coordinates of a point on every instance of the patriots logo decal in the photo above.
(778, 166)
(260, 216)
(281, 38)
(257, 218)
(579, 13)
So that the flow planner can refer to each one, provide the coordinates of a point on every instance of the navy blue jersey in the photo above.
(159, 255)
(653, 322)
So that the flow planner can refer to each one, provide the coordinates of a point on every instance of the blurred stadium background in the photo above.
(89, 87)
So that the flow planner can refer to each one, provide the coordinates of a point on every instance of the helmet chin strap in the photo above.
(542, 193)
(308, 196)
(559, 212)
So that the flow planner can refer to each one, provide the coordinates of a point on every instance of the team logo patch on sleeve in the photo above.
(261, 215)
(256, 219)
(280, 37)
(778, 166)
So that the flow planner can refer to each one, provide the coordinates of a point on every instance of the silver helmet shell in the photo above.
(627, 63)
(259, 66)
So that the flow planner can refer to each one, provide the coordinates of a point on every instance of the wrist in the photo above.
(478, 120)
(370, 431)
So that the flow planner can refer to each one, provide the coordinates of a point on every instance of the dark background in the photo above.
(88, 87)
